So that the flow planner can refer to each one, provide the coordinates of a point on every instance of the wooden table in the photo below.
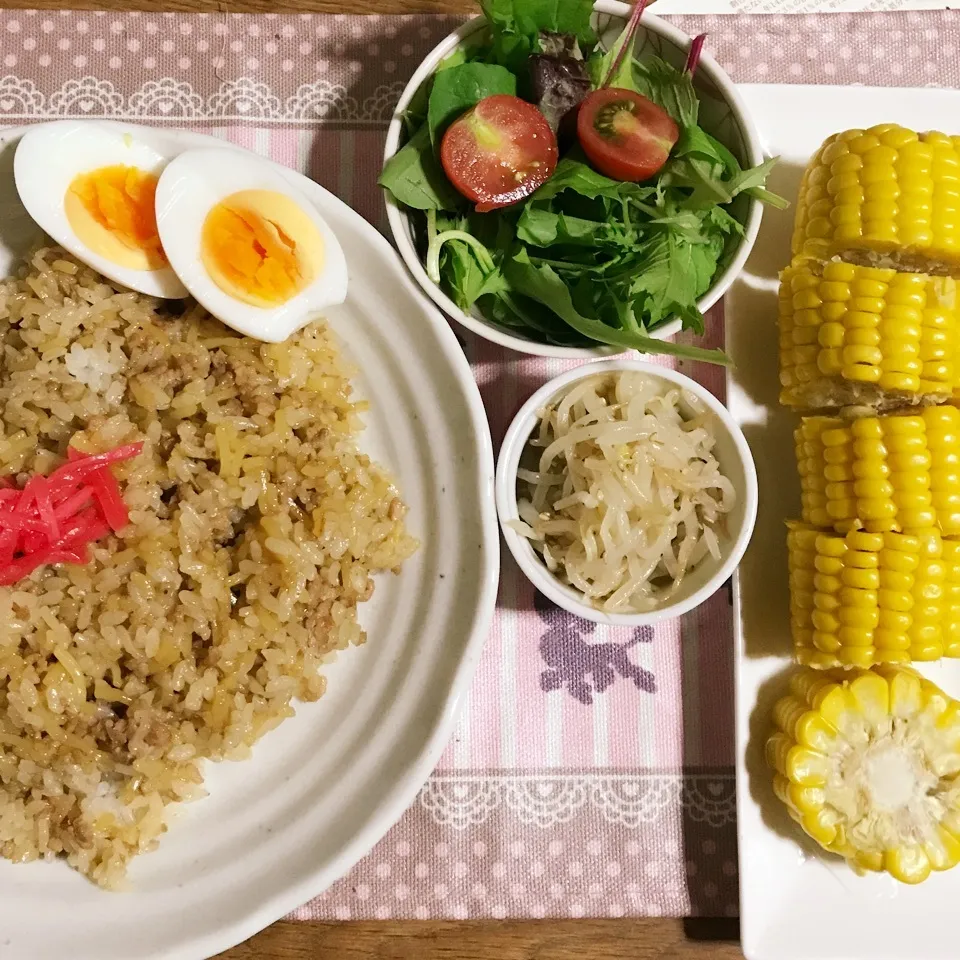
(443, 940)
(496, 940)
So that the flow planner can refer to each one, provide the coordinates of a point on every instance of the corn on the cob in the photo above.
(868, 763)
(866, 598)
(861, 335)
(885, 196)
(896, 472)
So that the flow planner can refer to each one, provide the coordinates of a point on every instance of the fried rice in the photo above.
(256, 529)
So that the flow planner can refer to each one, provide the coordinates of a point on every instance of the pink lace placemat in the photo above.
(591, 770)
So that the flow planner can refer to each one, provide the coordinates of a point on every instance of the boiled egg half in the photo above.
(91, 187)
(247, 244)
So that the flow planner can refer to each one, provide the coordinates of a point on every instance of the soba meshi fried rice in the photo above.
(256, 527)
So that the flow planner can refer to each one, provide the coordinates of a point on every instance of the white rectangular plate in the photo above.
(795, 904)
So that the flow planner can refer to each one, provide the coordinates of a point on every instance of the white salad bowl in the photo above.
(722, 114)
(732, 453)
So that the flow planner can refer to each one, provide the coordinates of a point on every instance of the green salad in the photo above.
(567, 192)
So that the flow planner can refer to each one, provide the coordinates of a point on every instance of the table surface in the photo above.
(503, 939)
(442, 940)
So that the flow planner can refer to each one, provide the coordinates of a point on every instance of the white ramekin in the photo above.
(667, 35)
(731, 450)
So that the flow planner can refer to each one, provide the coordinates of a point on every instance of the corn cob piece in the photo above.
(866, 598)
(886, 197)
(897, 472)
(854, 335)
(868, 764)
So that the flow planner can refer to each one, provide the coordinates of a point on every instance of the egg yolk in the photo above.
(111, 210)
(259, 247)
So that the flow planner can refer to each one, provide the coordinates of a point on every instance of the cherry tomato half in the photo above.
(499, 151)
(624, 135)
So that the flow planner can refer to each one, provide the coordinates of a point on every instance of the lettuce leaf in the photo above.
(517, 24)
(459, 88)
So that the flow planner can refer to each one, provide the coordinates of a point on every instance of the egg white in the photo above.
(194, 183)
(47, 160)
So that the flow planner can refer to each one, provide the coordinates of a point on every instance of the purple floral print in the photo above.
(585, 668)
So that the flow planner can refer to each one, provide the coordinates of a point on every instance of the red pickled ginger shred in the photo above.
(53, 518)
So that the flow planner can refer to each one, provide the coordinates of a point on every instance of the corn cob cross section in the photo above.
(856, 335)
(868, 763)
(884, 196)
(897, 472)
(866, 598)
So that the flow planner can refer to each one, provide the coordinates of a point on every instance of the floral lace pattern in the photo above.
(169, 99)
(462, 802)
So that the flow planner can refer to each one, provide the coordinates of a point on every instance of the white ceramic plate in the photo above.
(795, 904)
(323, 788)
